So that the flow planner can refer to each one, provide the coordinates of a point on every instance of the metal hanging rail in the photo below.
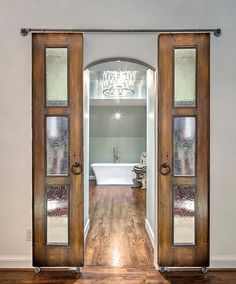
(26, 31)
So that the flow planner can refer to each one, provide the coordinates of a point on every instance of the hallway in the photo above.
(117, 234)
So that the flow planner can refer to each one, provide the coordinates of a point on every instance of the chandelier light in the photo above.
(118, 83)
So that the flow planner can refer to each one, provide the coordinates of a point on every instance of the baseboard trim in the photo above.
(224, 261)
(86, 229)
(25, 261)
(149, 232)
(15, 261)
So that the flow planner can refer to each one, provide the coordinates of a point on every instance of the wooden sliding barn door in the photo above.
(58, 238)
(183, 214)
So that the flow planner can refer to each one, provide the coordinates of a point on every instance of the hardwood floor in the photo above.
(118, 236)
(107, 275)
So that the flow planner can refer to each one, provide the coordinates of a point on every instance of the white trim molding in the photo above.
(149, 231)
(86, 229)
(223, 261)
(15, 261)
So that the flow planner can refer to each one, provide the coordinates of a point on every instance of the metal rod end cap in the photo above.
(217, 32)
(24, 32)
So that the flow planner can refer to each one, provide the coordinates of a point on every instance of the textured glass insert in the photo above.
(184, 215)
(57, 214)
(185, 77)
(57, 145)
(184, 146)
(56, 76)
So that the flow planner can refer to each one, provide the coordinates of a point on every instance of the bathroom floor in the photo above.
(117, 230)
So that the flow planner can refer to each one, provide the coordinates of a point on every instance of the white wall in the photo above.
(151, 194)
(86, 152)
(15, 103)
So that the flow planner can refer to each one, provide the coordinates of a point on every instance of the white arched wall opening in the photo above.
(151, 136)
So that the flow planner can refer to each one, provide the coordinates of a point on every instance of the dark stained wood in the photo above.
(108, 275)
(71, 255)
(118, 236)
(184, 111)
(168, 254)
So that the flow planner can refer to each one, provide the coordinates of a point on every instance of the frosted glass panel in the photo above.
(57, 214)
(56, 77)
(184, 146)
(57, 145)
(185, 77)
(184, 215)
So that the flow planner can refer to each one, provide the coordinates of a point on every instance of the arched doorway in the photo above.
(119, 120)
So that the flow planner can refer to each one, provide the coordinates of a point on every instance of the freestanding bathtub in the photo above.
(113, 173)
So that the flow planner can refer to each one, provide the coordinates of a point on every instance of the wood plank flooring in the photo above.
(118, 236)
(108, 275)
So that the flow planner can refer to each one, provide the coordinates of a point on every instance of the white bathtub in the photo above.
(113, 173)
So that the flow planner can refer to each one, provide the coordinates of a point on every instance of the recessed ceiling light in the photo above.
(117, 115)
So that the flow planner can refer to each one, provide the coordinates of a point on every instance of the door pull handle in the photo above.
(76, 168)
(165, 169)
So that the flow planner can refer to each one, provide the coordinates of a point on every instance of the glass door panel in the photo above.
(185, 77)
(184, 146)
(184, 215)
(56, 76)
(57, 214)
(57, 145)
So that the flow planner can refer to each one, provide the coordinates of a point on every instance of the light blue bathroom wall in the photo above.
(128, 133)
(130, 149)
(131, 124)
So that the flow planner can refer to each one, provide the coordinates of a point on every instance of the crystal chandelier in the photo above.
(118, 83)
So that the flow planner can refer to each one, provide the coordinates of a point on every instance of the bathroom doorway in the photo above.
(119, 176)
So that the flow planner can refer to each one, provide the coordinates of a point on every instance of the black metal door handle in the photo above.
(76, 168)
(165, 169)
